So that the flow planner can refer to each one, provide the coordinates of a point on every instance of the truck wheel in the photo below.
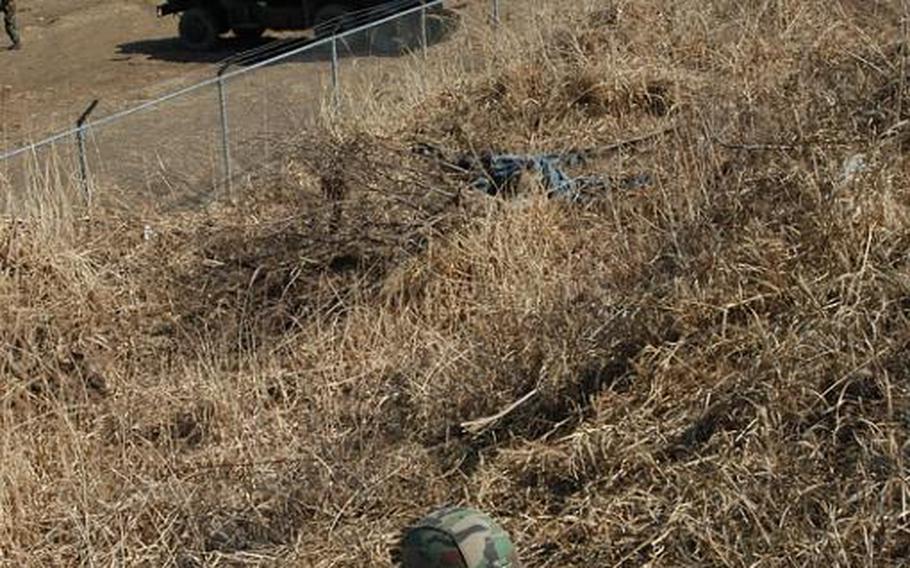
(198, 29)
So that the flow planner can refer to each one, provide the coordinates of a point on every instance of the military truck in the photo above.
(203, 21)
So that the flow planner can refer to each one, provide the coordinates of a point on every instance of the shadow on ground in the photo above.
(171, 50)
(245, 52)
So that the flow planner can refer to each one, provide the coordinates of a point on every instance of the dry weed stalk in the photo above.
(720, 359)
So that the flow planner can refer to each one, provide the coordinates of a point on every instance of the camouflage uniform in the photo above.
(8, 8)
(455, 537)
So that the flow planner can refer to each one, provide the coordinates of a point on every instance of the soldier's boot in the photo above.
(13, 33)
(12, 26)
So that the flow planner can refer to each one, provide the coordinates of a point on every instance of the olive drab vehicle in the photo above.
(203, 21)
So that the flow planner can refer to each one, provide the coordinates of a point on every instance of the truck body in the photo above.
(203, 21)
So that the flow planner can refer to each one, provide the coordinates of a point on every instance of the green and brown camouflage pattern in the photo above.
(457, 537)
(8, 10)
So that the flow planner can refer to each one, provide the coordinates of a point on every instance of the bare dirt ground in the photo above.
(76, 51)
(122, 54)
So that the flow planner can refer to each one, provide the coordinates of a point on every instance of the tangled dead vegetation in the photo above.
(709, 370)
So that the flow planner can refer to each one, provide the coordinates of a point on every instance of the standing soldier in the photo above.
(8, 9)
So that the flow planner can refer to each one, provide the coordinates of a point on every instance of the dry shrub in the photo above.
(715, 364)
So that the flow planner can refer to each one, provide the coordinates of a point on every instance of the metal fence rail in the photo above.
(187, 146)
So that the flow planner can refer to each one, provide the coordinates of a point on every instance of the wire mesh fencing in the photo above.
(166, 154)
(42, 178)
(192, 146)
(281, 99)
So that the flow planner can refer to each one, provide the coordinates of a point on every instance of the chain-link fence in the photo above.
(190, 146)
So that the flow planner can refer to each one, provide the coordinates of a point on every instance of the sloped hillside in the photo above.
(706, 367)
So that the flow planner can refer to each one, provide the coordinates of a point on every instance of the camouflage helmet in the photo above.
(457, 537)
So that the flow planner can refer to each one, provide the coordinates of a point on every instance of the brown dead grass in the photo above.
(721, 358)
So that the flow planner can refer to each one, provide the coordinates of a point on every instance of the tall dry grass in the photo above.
(719, 360)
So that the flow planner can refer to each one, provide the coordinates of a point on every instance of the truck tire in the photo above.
(198, 29)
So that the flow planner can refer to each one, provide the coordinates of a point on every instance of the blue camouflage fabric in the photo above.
(497, 173)
(500, 170)
(457, 537)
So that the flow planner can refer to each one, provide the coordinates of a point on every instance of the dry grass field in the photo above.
(713, 369)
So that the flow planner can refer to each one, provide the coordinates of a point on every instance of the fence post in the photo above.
(496, 12)
(423, 27)
(335, 87)
(83, 160)
(225, 138)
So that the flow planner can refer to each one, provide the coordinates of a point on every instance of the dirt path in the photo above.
(122, 54)
(117, 51)
(78, 50)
